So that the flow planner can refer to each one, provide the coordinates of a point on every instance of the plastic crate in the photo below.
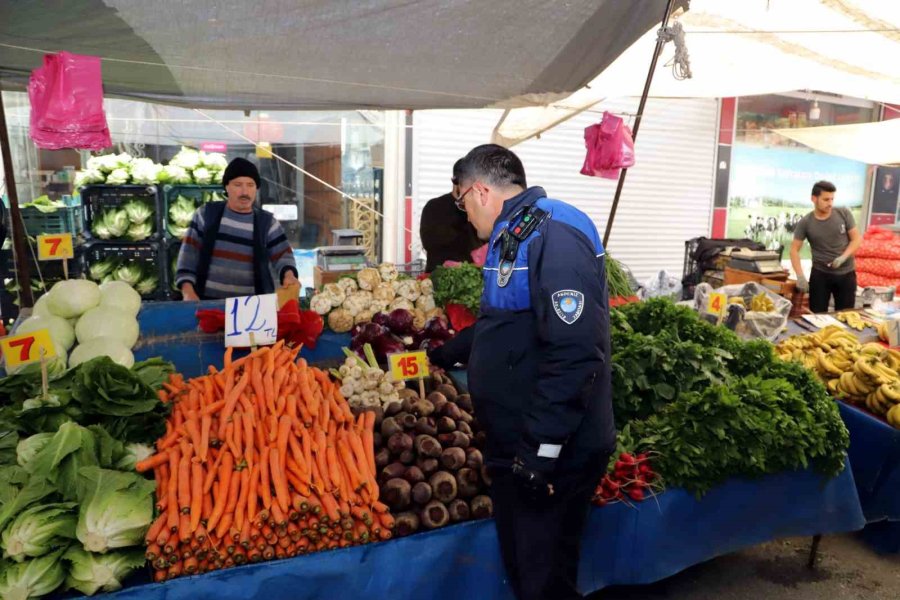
(172, 249)
(200, 194)
(96, 199)
(63, 220)
(49, 269)
(151, 255)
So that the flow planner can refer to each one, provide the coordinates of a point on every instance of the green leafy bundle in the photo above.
(712, 406)
(458, 285)
(617, 280)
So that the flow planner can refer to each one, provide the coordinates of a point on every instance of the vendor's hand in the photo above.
(802, 284)
(840, 260)
(188, 294)
(290, 279)
(532, 483)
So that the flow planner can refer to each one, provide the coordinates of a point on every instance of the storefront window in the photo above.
(771, 177)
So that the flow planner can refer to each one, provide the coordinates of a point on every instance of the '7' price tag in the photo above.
(408, 365)
(716, 303)
(56, 246)
(246, 315)
(26, 348)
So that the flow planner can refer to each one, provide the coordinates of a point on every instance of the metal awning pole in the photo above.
(20, 248)
(660, 42)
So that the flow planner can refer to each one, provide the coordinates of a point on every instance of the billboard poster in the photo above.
(770, 191)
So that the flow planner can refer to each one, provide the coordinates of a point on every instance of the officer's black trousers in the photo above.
(540, 540)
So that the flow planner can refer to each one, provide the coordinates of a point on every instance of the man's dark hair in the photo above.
(823, 186)
(457, 169)
(494, 164)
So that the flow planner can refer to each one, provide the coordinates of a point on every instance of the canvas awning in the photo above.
(748, 47)
(870, 143)
(327, 54)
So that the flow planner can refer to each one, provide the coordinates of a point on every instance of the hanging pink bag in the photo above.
(66, 95)
(610, 148)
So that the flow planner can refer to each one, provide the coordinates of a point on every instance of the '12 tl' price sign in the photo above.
(408, 365)
(257, 315)
(56, 246)
(26, 348)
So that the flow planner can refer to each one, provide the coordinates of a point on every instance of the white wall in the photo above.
(667, 197)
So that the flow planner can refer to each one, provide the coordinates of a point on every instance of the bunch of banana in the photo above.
(852, 319)
(762, 303)
(736, 300)
(893, 415)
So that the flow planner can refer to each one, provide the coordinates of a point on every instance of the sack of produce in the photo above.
(751, 310)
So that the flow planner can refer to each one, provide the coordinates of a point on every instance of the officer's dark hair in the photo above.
(823, 186)
(494, 164)
(457, 169)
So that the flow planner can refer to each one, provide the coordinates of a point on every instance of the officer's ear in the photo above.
(483, 192)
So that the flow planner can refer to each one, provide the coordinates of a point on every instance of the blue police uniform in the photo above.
(540, 380)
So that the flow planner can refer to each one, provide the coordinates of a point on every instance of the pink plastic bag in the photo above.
(610, 148)
(66, 95)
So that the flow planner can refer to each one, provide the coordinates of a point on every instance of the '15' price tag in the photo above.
(408, 365)
(26, 347)
(251, 314)
(716, 303)
(56, 246)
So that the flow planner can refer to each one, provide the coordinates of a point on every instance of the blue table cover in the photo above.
(875, 458)
(622, 545)
(169, 329)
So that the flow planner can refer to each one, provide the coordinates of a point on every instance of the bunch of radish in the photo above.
(430, 467)
(631, 480)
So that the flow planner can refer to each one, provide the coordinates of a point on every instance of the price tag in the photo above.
(894, 333)
(56, 246)
(408, 365)
(26, 348)
(716, 303)
(251, 314)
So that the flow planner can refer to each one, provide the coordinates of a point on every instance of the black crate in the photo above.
(172, 249)
(96, 199)
(150, 255)
(49, 269)
(200, 194)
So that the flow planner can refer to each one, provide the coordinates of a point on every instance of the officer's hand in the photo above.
(836, 263)
(802, 284)
(532, 483)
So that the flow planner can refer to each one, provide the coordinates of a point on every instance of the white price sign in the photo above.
(251, 321)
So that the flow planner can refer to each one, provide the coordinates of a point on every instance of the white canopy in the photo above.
(871, 143)
(748, 47)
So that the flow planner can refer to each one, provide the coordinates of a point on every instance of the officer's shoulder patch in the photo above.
(568, 305)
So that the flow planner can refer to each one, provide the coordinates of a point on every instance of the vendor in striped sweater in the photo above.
(234, 248)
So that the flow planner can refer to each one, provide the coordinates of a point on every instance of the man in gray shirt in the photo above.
(834, 239)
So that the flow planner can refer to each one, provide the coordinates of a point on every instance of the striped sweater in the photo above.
(231, 268)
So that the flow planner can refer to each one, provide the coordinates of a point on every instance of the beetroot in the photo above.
(427, 446)
(396, 493)
(382, 458)
(414, 475)
(428, 465)
(399, 442)
(482, 507)
(407, 457)
(393, 471)
(436, 329)
(453, 458)
(443, 486)
(407, 523)
(467, 483)
(421, 493)
(459, 510)
(435, 515)
(400, 322)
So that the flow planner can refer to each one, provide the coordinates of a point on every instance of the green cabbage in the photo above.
(116, 222)
(32, 578)
(118, 352)
(87, 177)
(181, 212)
(110, 322)
(39, 530)
(101, 268)
(130, 273)
(121, 296)
(140, 231)
(92, 573)
(27, 448)
(73, 297)
(177, 231)
(214, 161)
(144, 171)
(147, 285)
(202, 176)
(118, 177)
(116, 509)
(177, 174)
(100, 228)
(138, 211)
(59, 329)
(187, 158)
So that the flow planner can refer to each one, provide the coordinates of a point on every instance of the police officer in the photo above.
(539, 369)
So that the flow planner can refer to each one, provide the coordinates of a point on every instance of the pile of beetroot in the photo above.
(396, 331)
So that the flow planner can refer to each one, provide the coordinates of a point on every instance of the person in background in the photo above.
(834, 239)
(539, 369)
(444, 229)
(234, 248)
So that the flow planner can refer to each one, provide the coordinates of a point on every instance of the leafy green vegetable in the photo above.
(33, 490)
(458, 285)
(101, 268)
(138, 211)
(29, 447)
(130, 273)
(116, 509)
(39, 530)
(91, 573)
(153, 372)
(147, 285)
(140, 231)
(616, 280)
(32, 578)
(106, 388)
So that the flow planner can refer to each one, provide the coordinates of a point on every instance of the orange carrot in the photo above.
(205, 425)
(253, 496)
(265, 491)
(284, 431)
(172, 492)
(278, 481)
(225, 477)
(152, 462)
(196, 495)
(240, 509)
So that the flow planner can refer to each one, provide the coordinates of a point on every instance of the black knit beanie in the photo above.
(240, 167)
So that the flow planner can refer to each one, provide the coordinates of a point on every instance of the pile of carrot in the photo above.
(261, 460)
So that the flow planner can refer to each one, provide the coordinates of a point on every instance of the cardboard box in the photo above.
(321, 276)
